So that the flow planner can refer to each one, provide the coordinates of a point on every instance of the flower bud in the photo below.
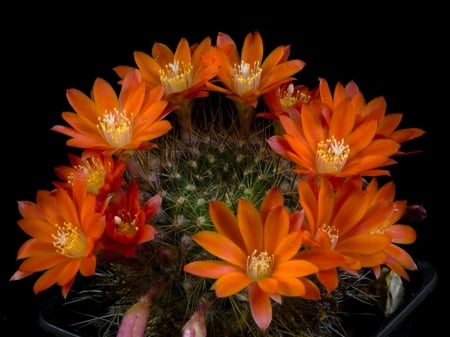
(196, 326)
(135, 319)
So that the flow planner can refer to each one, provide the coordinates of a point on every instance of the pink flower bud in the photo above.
(136, 317)
(196, 326)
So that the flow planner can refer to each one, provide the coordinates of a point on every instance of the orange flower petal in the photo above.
(231, 283)
(210, 268)
(221, 246)
(260, 306)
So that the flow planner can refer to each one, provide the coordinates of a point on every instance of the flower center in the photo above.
(96, 174)
(246, 77)
(331, 155)
(259, 265)
(116, 128)
(333, 234)
(176, 77)
(69, 240)
(290, 97)
(125, 224)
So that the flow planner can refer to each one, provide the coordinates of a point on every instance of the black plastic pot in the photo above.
(59, 319)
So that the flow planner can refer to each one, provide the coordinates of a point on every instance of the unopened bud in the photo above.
(196, 326)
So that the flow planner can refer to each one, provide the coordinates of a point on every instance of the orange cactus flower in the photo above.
(256, 251)
(375, 109)
(353, 227)
(105, 173)
(65, 228)
(182, 73)
(113, 124)
(284, 99)
(331, 141)
(126, 220)
(247, 76)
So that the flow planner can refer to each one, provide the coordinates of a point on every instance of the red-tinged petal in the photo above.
(210, 268)
(221, 246)
(29, 209)
(250, 225)
(152, 206)
(402, 234)
(296, 221)
(18, 275)
(231, 283)
(65, 288)
(260, 307)
(276, 228)
(278, 144)
(225, 222)
(294, 269)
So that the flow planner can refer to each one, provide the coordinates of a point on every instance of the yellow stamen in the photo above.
(259, 265)
(290, 97)
(176, 77)
(333, 234)
(96, 174)
(69, 240)
(116, 128)
(246, 77)
(331, 155)
(123, 226)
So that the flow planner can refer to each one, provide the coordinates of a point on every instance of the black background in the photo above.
(395, 52)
